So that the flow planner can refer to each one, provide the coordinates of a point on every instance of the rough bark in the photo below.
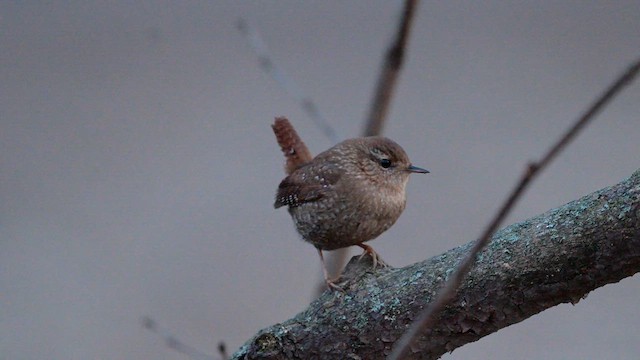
(553, 258)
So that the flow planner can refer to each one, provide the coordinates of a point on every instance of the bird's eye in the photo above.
(385, 163)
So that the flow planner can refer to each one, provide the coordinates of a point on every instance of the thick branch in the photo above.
(554, 258)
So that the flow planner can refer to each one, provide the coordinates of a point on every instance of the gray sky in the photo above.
(139, 168)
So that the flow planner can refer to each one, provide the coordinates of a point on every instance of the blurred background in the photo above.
(138, 167)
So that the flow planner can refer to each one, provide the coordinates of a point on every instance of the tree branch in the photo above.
(554, 258)
(427, 317)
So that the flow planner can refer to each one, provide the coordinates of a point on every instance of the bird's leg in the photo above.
(374, 255)
(330, 282)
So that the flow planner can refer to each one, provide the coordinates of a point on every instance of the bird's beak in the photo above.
(415, 169)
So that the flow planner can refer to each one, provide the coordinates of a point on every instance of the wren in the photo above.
(348, 195)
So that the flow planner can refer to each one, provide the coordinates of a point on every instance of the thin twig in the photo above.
(269, 66)
(222, 349)
(173, 342)
(390, 71)
(428, 316)
(392, 65)
(308, 105)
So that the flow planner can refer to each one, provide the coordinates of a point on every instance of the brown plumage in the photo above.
(294, 149)
(348, 194)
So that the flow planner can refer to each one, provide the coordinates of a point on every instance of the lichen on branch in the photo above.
(557, 257)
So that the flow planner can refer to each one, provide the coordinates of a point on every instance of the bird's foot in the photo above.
(374, 255)
(331, 284)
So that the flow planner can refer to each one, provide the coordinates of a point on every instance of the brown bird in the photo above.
(348, 194)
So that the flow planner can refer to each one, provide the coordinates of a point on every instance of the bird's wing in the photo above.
(301, 187)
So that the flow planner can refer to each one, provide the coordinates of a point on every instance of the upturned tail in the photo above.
(295, 151)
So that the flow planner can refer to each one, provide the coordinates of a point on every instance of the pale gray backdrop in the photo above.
(138, 167)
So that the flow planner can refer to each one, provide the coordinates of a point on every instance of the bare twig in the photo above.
(427, 318)
(380, 104)
(390, 71)
(173, 342)
(222, 349)
(269, 66)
